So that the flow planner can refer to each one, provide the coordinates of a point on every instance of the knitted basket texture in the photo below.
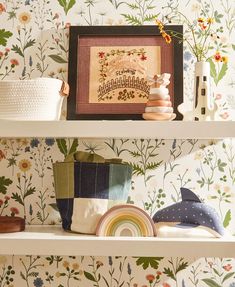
(36, 99)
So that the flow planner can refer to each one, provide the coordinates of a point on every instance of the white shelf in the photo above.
(52, 240)
(117, 129)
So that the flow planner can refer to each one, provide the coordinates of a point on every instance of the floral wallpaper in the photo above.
(34, 43)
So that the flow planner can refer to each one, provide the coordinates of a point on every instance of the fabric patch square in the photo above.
(91, 180)
(65, 207)
(64, 179)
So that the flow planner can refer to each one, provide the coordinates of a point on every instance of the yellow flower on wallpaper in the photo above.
(24, 165)
(24, 18)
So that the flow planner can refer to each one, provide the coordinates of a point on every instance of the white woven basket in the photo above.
(37, 99)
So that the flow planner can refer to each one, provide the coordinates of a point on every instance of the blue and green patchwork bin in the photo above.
(86, 190)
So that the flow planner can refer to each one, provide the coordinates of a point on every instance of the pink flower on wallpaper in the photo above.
(14, 211)
(225, 115)
(166, 285)
(14, 62)
(218, 96)
(228, 267)
(150, 278)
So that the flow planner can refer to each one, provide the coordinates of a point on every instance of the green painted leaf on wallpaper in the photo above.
(135, 153)
(211, 282)
(150, 17)
(153, 165)
(182, 266)
(74, 146)
(29, 191)
(30, 43)
(132, 6)
(58, 59)
(67, 6)
(17, 49)
(221, 165)
(132, 19)
(169, 273)
(62, 145)
(17, 198)
(89, 276)
(218, 16)
(116, 3)
(145, 262)
(227, 218)
(212, 69)
(227, 276)
(4, 182)
(136, 169)
(4, 35)
(217, 273)
(70, 4)
(222, 72)
(233, 46)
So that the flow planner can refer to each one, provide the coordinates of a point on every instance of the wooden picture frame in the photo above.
(107, 65)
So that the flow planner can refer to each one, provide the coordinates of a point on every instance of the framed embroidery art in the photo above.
(109, 67)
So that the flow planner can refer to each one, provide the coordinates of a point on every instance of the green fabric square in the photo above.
(119, 181)
(64, 179)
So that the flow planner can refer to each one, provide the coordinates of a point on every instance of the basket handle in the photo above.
(64, 91)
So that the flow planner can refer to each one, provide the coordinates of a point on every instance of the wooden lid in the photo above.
(11, 224)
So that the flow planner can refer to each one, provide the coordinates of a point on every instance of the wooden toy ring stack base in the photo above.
(11, 224)
(159, 106)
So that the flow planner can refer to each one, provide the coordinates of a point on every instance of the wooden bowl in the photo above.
(11, 224)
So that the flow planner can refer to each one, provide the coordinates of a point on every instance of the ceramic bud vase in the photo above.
(203, 99)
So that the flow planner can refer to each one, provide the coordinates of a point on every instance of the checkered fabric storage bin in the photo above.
(86, 190)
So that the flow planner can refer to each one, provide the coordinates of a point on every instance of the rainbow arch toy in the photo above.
(126, 220)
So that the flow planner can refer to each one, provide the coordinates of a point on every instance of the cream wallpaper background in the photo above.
(34, 43)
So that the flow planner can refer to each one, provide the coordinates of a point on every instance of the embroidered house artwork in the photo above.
(118, 74)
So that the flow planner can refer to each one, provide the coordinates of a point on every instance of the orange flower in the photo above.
(150, 278)
(166, 285)
(2, 8)
(200, 20)
(203, 26)
(167, 37)
(217, 57)
(227, 267)
(159, 273)
(14, 62)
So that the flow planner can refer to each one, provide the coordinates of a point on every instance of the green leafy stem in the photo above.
(67, 5)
